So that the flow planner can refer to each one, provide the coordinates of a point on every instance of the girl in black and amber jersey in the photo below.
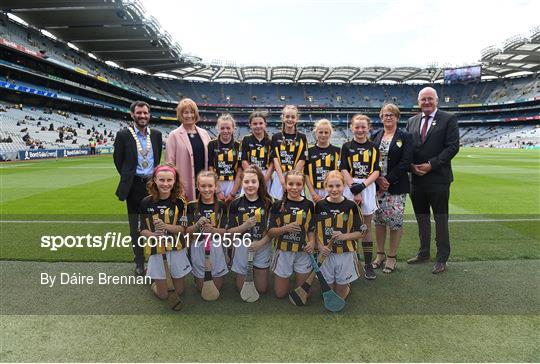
(223, 158)
(207, 215)
(162, 215)
(360, 166)
(289, 149)
(322, 158)
(292, 225)
(339, 221)
(248, 214)
(255, 148)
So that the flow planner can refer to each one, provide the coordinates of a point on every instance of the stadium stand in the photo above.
(501, 136)
(35, 128)
(330, 95)
(44, 81)
(59, 53)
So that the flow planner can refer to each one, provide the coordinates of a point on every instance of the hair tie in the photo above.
(166, 169)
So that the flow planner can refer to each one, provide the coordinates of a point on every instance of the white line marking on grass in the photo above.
(16, 165)
(88, 167)
(125, 222)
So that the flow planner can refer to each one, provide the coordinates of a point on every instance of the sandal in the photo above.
(377, 265)
(388, 269)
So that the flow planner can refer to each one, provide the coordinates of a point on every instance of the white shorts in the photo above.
(284, 263)
(217, 257)
(261, 259)
(276, 190)
(369, 200)
(178, 265)
(226, 187)
(340, 268)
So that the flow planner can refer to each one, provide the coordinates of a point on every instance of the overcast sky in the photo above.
(343, 32)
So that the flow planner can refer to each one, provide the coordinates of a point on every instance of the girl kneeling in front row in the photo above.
(339, 221)
(206, 220)
(292, 225)
(162, 221)
(248, 214)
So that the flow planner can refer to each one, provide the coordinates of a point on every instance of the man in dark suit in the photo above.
(435, 136)
(137, 151)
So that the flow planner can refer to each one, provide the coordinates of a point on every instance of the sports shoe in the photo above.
(369, 273)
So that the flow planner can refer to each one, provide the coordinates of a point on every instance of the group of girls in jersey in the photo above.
(257, 187)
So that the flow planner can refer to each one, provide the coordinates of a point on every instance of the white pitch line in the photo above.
(7, 166)
(87, 167)
(125, 222)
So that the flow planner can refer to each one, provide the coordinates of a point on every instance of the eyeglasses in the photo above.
(389, 116)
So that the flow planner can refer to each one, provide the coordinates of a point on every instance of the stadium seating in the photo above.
(77, 129)
(28, 127)
(331, 95)
(521, 136)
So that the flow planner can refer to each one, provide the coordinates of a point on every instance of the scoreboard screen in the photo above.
(462, 75)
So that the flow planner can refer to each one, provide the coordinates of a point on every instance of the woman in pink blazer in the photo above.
(187, 146)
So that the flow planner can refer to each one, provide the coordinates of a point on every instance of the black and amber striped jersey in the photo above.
(344, 216)
(173, 213)
(256, 152)
(224, 158)
(289, 149)
(241, 209)
(319, 162)
(301, 212)
(359, 159)
(215, 212)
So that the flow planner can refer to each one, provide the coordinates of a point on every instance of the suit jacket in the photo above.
(125, 158)
(441, 145)
(180, 153)
(399, 160)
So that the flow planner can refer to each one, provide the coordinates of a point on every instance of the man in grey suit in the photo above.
(435, 136)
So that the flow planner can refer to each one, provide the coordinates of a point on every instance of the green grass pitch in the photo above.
(484, 308)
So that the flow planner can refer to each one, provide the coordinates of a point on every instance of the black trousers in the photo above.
(434, 197)
(133, 202)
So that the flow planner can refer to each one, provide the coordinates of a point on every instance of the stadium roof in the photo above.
(116, 31)
(518, 54)
(119, 31)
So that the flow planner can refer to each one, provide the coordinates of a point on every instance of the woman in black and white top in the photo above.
(395, 147)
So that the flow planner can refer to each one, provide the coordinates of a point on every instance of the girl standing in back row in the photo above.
(360, 167)
(256, 147)
(322, 158)
(223, 158)
(289, 149)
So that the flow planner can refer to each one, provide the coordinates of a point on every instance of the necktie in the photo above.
(423, 132)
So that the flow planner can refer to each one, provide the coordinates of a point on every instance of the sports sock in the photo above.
(367, 247)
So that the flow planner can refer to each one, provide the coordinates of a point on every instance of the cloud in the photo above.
(343, 32)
